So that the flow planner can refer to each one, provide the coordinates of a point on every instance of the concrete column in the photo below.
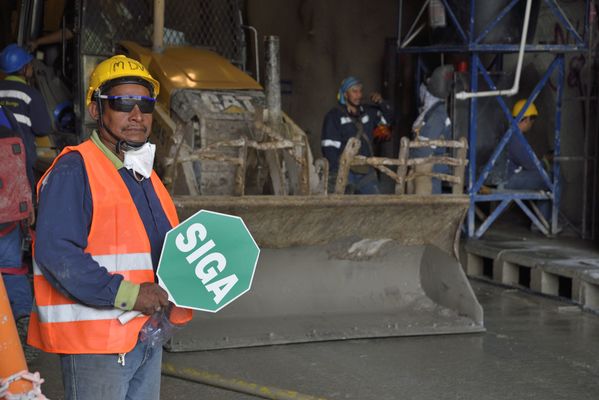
(273, 79)
(158, 35)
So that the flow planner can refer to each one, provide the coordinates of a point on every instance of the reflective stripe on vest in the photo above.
(331, 143)
(135, 267)
(23, 119)
(117, 262)
(74, 313)
(16, 94)
(118, 241)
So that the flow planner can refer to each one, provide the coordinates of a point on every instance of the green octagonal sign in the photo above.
(207, 261)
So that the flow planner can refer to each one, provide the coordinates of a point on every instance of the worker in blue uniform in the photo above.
(433, 123)
(25, 102)
(350, 118)
(521, 170)
(30, 112)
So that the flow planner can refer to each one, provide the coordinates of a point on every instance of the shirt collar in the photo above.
(358, 115)
(118, 164)
(16, 78)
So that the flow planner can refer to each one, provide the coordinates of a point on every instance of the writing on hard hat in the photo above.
(440, 83)
(13, 58)
(530, 111)
(346, 84)
(119, 70)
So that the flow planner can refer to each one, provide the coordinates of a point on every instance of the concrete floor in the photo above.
(534, 348)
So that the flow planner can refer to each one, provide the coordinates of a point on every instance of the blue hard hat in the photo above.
(64, 116)
(346, 84)
(13, 58)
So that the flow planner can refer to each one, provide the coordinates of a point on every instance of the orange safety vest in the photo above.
(118, 241)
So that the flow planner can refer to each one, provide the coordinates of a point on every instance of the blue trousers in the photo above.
(101, 377)
(18, 287)
(357, 183)
(363, 183)
(437, 184)
(531, 180)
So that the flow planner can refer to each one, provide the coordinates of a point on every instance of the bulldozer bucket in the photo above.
(341, 267)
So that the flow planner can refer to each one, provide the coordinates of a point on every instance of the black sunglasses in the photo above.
(127, 103)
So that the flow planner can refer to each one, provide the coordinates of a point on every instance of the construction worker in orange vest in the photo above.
(103, 216)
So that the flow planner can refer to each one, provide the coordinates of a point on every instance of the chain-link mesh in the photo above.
(106, 22)
(213, 24)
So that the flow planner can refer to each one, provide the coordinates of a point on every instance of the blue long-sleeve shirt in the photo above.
(518, 157)
(437, 125)
(339, 126)
(64, 218)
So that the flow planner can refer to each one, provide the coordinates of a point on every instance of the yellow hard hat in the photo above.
(120, 69)
(531, 110)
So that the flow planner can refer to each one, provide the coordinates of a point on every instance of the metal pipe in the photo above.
(257, 55)
(564, 21)
(158, 35)
(236, 385)
(272, 86)
(472, 129)
(399, 18)
(502, 14)
(417, 18)
(571, 158)
(454, 20)
(471, 22)
(412, 36)
(587, 129)
(557, 184)
(63, 42)
(273, 79)
(516, 87)
(592, 18)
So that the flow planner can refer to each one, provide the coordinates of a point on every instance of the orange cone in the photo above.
(12, 359)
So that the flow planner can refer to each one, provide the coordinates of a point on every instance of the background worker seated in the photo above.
(522, 174)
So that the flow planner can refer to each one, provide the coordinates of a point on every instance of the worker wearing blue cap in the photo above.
(350, 118)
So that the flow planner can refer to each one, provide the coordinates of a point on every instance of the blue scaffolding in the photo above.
(473, 46)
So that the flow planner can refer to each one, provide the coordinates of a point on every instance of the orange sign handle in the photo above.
(12, 358)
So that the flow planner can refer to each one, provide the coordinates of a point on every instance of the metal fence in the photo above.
(212, 24)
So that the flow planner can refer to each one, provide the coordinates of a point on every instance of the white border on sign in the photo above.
(170, 297)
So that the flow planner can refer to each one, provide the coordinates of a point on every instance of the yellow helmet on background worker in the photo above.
(119, 70)
(530, 111)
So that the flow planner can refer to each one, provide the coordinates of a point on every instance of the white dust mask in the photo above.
(141, 160)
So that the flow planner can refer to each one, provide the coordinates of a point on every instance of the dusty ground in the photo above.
(534, 348)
